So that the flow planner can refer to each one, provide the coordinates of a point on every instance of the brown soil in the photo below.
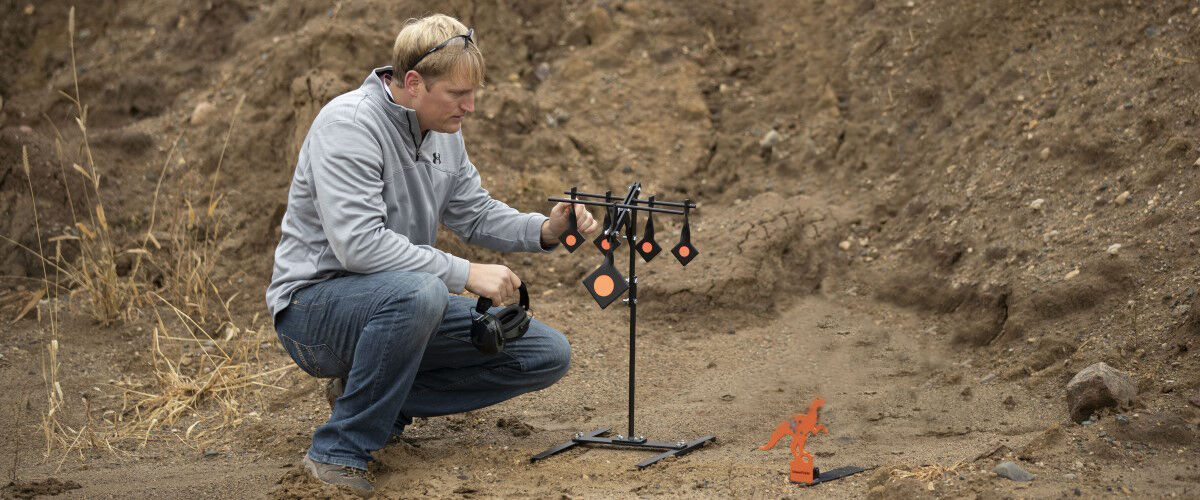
(884, 254)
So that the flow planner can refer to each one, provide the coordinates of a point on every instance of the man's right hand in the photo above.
(493, 281)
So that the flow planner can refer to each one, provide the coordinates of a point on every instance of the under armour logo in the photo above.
(437, 158)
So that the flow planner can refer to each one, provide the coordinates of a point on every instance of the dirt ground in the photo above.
(931, 214)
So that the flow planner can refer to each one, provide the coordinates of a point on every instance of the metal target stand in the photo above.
(606, 284)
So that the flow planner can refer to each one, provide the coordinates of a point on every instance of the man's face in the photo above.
(444, 104)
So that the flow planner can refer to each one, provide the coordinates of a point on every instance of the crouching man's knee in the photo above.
(553, 355)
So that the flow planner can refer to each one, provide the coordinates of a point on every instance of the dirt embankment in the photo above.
(981, 198)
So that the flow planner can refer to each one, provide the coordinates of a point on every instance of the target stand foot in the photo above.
(598, 437)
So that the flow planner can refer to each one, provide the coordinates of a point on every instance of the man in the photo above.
(359, 292)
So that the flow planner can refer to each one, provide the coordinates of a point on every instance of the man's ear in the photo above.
(412, 82)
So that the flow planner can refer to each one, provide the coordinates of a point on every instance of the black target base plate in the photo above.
(831, 475)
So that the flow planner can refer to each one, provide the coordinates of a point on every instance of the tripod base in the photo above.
(595, 437)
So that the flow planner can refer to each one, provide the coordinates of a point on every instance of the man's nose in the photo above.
(468, 105)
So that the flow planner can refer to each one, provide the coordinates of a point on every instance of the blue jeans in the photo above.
(403, 344)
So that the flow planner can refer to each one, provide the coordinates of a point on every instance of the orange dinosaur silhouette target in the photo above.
(800, 426)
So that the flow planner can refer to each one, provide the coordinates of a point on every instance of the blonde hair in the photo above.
(419, 35)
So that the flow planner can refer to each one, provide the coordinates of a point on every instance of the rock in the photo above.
(1070, 476)
(1197, 164)
(1013, 471)
(1010, 403)
(1122, 198)
(770, 139)
(1098, 386)
(542, 71)
(1044, 154)
(596, 24)
(203, 113)
(1195, 401)
(1037, 204)
(844, 245)
(1071, 275)
(1114, 248)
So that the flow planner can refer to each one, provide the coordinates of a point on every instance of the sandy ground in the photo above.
(906, 208)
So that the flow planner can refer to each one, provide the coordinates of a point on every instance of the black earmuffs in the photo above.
(490, 332)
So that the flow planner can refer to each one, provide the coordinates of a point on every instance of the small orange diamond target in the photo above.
(570, 240)
(604, 285)
(684, 251)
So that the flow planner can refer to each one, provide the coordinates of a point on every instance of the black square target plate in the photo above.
(605, 284)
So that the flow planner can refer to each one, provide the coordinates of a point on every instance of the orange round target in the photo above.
(647, 247)
(684, 251)
(570, 240)
(605, 245)
(603, 286)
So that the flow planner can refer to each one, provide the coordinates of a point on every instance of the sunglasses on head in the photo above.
(468, 39)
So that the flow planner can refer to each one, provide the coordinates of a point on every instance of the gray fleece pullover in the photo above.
(369, 191)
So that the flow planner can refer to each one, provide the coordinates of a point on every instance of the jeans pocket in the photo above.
(317, 360)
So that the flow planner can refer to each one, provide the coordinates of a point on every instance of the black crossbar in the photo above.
(621, 205)
(639, 200)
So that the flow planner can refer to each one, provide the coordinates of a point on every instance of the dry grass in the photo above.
(197, 378)
(929, 473)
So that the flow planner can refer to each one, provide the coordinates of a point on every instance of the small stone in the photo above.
(1122, 198)
(542, 71)
(1098, 386)
(203, 113)
(844, 245)
(1114, 248)
(1197, 164)
(1071, 275)
(1070, 476)
(1037, 204)
(29, 10)
(597, 23)
(770, 140)
(1195, 401)
(1044, 154)
(1013, 471)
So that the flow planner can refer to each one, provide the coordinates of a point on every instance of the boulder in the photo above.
(1098, 386)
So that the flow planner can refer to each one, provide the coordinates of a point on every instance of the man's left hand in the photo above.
(557, 223)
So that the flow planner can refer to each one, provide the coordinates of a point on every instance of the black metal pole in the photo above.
(632, 239)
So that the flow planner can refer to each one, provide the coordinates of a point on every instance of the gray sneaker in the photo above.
(334, 389)
(338, 475)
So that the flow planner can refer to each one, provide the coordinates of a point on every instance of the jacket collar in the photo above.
(404, 118)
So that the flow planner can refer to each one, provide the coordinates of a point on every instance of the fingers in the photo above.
(587, 223)
(506, 286)
(514, 282)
